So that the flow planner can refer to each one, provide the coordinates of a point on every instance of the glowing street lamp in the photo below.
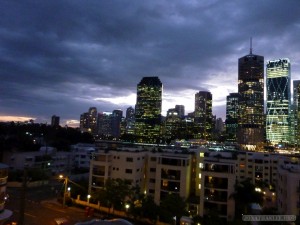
(88, 198)
(127, 206)
(65, 190)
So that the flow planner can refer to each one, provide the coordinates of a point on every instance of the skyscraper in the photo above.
(251, 124)
(231, 122)
(84, 122)
(117, 115)
(55, 121)
(203, 115)
(104, 122)
(296, 113)
(130, 120)
(278, 101)
(171, 125)
(148, 110)
(180, 110)
(93, 120)
(88, 121)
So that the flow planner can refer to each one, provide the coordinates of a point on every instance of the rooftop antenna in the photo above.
(250, 45)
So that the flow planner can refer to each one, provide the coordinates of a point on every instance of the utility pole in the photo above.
(65, 189)
(23, 197)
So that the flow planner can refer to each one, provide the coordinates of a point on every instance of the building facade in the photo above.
(181, 110)
(129, 121)
(251, 122)
(55, 121)
(295, 120)
(88, 121)
(209, 176)
(203, 115)
(5, 214)
(148, 110)
(231, 122)
(288, 196)
(278, 101)
(171, 125)
(104, 124)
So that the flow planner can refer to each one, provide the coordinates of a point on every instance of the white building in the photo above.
(288, 189)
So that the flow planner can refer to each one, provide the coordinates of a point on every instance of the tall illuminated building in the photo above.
(296, 113)
(231, 122)
(130, 120)
(116, 120)
(88, 121)
(104, 122)
(93, 120)
(251, 124)
(278, 101)
(171, 125)
(203, 115)
(148, 110)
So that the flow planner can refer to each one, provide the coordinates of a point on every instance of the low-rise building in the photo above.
(4, 213)
(288, 189)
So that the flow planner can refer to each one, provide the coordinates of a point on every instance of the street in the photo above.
(41, 207)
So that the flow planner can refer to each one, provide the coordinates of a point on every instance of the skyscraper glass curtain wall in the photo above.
(278, 83)
(251, 119)
(148, 110)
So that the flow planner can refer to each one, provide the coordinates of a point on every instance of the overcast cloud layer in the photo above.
(62, 57)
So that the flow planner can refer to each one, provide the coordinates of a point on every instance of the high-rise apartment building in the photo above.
(251, 123)
(278, 101)
(231, 122)
(88, 121)
(148, 110)
(93, 120)
(203, 115)
(84, 122)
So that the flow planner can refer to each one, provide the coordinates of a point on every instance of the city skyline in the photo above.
(60, 58)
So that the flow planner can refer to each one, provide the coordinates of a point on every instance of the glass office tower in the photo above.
(296, 113)
(295, 120)
(278, 101)
(251, 123)
(203, 115)
(148, 110)
(231, 122)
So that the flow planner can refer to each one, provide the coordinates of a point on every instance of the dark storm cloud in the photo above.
(61, 57)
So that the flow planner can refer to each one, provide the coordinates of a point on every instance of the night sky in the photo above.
(62, 57)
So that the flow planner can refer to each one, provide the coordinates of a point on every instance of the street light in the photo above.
(127, 206)
(65, 190)
(88, 198)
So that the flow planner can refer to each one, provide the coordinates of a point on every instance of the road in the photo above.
(41, 207)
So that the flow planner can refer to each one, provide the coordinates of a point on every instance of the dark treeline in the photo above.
(31, 136)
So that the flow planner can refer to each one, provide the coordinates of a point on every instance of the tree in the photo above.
(145, 207)
(244, 195)
(116, 191)
(172, 206)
